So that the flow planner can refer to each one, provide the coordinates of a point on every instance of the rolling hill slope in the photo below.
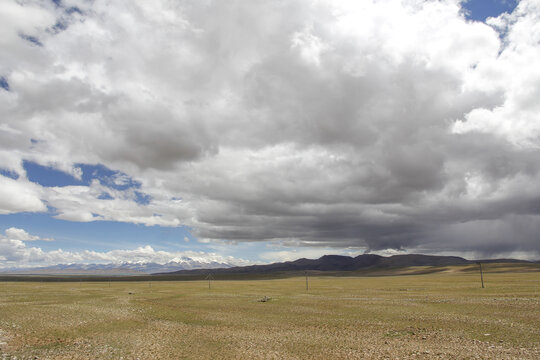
(338, 263)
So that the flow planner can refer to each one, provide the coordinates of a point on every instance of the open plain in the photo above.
(444, 315)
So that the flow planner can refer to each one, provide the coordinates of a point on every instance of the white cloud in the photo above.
(365, 124)
(19, 195)
(15, 253)
(17, 18)
(20, 234)
(516, 119)
(119, 206)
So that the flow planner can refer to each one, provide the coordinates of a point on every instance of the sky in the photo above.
(261, 131)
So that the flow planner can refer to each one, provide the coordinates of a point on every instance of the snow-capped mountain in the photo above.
(127, 268)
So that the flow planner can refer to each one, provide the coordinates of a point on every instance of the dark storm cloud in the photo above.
(376, 125)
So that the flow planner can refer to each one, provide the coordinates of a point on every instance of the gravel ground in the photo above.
(412, 317)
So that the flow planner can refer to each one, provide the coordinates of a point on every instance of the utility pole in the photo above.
(209, 277)
(481, 274)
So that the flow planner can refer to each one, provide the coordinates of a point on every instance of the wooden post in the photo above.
(481, 274)
(209, 277)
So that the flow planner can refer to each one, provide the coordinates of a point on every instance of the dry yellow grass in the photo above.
(445, 315)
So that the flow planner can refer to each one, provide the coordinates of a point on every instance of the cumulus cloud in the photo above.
(15, 253)
(100, 202)
(19, 195)
(375, 124)
(20, 234)
(515, 119)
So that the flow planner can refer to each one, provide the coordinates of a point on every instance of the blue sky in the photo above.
(96, 235)
(99, 235)
(104, 236)
(385, 128)
(480, 10)
(50, 177)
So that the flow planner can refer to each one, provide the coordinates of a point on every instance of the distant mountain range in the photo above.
(191, 267)
(344, 263)
(140, 268)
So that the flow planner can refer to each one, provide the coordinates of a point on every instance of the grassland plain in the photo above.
(443, 315)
